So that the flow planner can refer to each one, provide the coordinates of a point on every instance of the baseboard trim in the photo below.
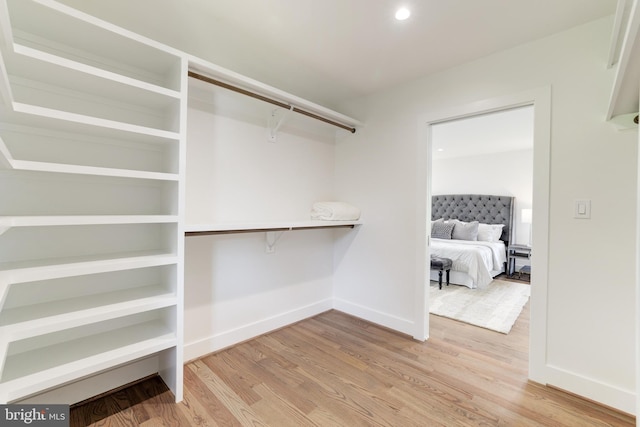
(590, 389)
(197, 349)
(398, 324)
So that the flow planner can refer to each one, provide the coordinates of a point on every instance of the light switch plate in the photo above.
(582, 209)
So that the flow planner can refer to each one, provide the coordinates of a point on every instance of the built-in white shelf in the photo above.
(91, 151)
(92, 146)
(91, 155)
(45, 194)
(45, 318)
(42, 367)
(36, 65)
(89, 40)
(44, 118)
(27, 165)
(42, 66)
(31, 270)
(246, 227)
(36, 221)
(82, 119)
(97, 105)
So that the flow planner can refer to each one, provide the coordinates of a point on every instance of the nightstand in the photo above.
(515, 252)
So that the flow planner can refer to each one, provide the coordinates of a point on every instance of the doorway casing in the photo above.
(540, 99)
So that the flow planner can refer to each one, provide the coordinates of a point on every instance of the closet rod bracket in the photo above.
(271, 238)
(275, 123)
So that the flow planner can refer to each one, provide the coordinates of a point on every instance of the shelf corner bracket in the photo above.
(275, 123)
(271, 238)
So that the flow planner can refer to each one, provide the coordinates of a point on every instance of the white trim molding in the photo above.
(540, 98)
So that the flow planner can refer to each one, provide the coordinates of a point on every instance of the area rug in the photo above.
(495, 307)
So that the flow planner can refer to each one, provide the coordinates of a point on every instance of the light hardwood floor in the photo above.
(336, 370)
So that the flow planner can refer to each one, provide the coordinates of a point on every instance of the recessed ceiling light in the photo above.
(402, 14)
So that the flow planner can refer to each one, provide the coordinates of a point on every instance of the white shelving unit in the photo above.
(92, 184)
(92, 133)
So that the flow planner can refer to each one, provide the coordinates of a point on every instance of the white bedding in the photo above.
(478, 261)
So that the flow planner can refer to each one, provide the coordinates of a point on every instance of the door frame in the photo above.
(540, 99)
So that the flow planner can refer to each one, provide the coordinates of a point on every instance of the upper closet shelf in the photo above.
(626, 39)
(52, 27)
(207, 69)
(252, 227)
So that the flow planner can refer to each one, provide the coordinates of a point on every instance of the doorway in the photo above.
(540, 100)
(489, 156)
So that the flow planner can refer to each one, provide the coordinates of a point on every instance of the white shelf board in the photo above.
(78, 168)
(266, 226)
(44, 318)
(63, 69)
(35, 221)
(40, 66)
(81, 119)
(42, 118)
(209, 69)
(96, 105)
(42, 20)
(34, 371)
(28, 165)
(28, 271)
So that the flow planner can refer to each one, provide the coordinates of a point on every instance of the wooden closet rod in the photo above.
(269, 100)
(262, 230)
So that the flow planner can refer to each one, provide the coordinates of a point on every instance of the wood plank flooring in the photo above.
(336, 370)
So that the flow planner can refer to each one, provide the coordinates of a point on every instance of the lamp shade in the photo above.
(526, 216)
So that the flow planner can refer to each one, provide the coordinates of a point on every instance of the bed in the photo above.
(473, 230)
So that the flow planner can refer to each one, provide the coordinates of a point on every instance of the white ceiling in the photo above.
(501, 131)
(332, 50)
(329, 51)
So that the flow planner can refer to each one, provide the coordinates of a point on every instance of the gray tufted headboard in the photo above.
(486, 209)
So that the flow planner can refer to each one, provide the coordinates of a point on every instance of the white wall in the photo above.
(234, 290)
(507, 173)
(590, 342)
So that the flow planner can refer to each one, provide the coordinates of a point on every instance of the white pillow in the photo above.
(489, 232)
(465, 230)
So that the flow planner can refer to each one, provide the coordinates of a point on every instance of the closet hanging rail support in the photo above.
(269, 100)
(275, 123)
(271, 238)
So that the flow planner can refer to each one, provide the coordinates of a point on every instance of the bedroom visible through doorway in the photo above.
(487, 157)
(540, 99)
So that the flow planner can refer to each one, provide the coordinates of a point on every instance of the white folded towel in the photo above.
(335, 211)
